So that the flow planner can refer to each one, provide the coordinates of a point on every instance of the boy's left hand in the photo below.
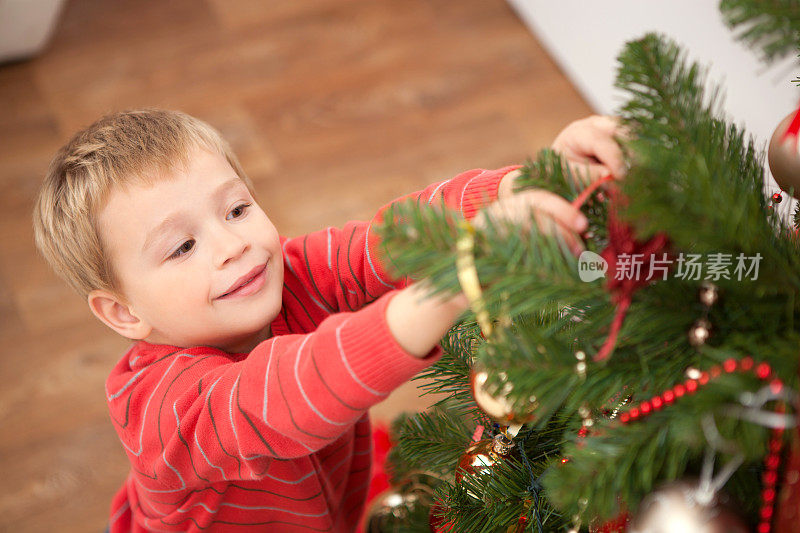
(589, 147)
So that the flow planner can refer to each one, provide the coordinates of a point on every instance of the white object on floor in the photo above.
(26, 26)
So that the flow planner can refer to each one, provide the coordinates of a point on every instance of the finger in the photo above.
(548, 225)
(613, 126)
(559, 209)
(587, 173)
(593, 143)
(608, 123)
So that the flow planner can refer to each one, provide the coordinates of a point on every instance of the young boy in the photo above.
(242, 404)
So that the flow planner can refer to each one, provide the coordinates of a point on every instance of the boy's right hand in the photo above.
(418, 322)
(552, 213)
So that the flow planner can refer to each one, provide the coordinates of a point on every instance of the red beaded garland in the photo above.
(657, 403)
(772, 461)
(763, 371)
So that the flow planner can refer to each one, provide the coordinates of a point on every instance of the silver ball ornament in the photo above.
(681, 507)
(783, 155)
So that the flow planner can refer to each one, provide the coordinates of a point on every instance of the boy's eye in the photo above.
(182, 249)
(237, 211)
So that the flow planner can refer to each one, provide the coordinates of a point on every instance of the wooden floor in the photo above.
(334, 106)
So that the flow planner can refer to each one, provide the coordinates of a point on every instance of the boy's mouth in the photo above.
(247, 284)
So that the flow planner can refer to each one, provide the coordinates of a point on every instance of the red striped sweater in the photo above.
(277, 439)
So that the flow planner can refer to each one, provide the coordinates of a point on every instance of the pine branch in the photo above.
(620, 464)
(771, 25)
(694, 177)
(432, 441)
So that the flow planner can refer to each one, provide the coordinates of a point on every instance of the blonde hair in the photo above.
(137, 147)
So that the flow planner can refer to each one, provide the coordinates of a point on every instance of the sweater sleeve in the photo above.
(199, 415)
(340, 267)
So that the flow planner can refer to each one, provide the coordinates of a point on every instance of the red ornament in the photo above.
(481, 457)
(777, 197)
(616, 525)
(436, 521)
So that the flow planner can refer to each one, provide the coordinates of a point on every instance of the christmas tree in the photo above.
(657, 373)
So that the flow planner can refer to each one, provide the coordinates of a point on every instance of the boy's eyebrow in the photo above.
(173, 218)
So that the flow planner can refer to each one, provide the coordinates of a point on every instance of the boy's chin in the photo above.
(245, 342)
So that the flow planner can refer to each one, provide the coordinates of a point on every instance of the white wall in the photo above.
(584, 37)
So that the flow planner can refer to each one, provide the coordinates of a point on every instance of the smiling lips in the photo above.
(247, 284)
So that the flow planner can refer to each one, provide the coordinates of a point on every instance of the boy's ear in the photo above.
(117, 315)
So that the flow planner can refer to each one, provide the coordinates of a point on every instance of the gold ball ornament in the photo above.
(783, 155)
(680, 507)
(388, 511)
(709, 293)
(496, 405)
(700, 332)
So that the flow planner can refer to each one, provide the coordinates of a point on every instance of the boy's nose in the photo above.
(229, 247)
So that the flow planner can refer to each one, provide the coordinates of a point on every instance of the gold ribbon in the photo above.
(468, 277)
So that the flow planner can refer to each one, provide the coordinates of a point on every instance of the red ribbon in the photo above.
(621, 241)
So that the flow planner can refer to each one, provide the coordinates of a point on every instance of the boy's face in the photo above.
(179, 247)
